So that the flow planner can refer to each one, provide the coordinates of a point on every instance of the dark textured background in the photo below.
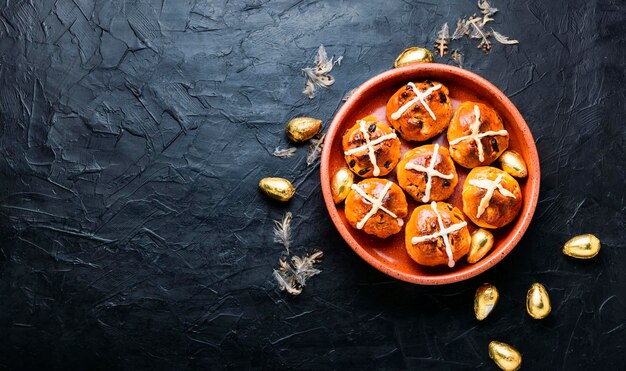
(133, 135)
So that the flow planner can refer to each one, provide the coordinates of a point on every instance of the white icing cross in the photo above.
(430, 172)
(370, 145)
(377, 204)
(490, 186)
(443, 232)
(476, 135)
(419, 97)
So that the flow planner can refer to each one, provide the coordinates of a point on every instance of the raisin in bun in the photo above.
(376, 206)
(437, 234)
(420, 110)
(427, 173)
(371, 148)
(491, 197)
(476, 135)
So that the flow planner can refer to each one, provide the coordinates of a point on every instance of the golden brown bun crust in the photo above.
(465, 153)
(380, 224)
(423, 222)
(387, 153)
(501, 210)
(414, 182)
(416, 123)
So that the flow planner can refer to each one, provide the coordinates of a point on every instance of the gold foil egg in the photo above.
(413, 55)
(277, 188)
(513, 163)
(538, 301)
(341, 183)
(482, 242)
(505, 356)
(302, 129)
(485, 300)
(585, 246)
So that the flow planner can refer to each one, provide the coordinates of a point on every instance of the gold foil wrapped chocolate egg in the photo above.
(302, 129)
(485, 300)
(413, 55)
(277, 188)
(505, 356)
(585, 246)
(513, 163)
(341, 183)
(482, 242)
(538, 301)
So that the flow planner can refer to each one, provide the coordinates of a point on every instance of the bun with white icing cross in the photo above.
(420, 110)
(427, 173)
(491, 197)
(371, 148)
(476, 135)
(376, 206)
(437, 234)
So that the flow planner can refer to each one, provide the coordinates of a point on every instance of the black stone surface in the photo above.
(133, 236)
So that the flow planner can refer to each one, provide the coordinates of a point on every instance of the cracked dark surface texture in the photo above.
(133, 236)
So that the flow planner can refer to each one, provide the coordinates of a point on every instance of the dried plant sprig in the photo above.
(282, 231)
(284, 152)
(292, 276)
(462, 29)
(315, 150)
(457, 57)
(319, 74)
(441, 43)
(503, 39)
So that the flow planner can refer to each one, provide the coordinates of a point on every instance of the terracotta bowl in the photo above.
(389, 255)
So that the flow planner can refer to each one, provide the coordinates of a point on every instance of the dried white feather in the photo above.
(476, 31)
(305, 266)
(457, 57)
(309, 89)
(286, 285)
(318, 76)
(444, 33)
(292, 277)
(443, 38)
(315, 150)
(324, 81)
(462, 29)
(486, 8)
(282, 231)
(309, 73)
(322, 57)
(479, 33)
(486, 19)
(284, 152)
(503, 39)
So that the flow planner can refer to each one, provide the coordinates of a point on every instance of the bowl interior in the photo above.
(389, 255)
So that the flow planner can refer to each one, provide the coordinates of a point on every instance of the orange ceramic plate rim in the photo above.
(412, 73)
